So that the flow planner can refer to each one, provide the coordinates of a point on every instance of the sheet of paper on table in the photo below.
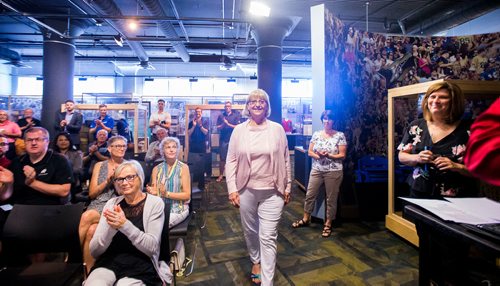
(463, 210)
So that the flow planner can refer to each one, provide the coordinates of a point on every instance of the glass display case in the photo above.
(210, 114)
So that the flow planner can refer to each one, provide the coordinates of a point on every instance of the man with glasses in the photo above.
(41, 177)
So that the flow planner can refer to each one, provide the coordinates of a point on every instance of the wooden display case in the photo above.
(472, 90)
(135, 110)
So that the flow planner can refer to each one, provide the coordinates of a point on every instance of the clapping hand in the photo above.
(30, 174)
(115, 216)
(6, 176)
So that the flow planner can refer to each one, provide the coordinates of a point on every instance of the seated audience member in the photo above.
(171, 180)
(100, 192)
(126, 243)
(10, 130)
(154, 154)
(41, 177)
(483, 149)
(63, 145)
(4, 147)
(98, 152)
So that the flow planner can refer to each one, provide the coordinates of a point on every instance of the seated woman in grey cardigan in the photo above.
(126, 243)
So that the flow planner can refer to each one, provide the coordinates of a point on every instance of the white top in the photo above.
(331, 145)
(164, 116)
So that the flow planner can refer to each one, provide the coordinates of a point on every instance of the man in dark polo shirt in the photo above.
(41, 177)
(226, 123)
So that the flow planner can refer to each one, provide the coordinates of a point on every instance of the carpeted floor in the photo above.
(357, 253)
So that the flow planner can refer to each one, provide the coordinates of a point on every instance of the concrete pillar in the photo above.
(58, 70)
(269, 34)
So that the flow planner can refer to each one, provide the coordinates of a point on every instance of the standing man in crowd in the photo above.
(197, 131)
(70, 121)
(226, 123)
(41, 177)
(28, 121)
(159, 119)
(104, 121)
(10, 130)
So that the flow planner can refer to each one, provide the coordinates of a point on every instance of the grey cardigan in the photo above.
(147, 242)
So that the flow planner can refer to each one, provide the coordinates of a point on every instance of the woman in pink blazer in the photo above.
(259, 182)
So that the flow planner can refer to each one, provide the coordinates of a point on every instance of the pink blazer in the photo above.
(238, 158)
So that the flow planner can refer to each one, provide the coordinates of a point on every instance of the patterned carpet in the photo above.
(357, 253)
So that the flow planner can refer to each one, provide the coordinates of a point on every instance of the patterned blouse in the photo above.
(331, 145)
(172, 183)
(426, 180)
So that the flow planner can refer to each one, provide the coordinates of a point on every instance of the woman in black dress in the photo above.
(435, 146)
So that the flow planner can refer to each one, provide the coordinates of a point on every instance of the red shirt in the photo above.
(483, 149)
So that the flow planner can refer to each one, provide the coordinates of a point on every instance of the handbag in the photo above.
(177, 257)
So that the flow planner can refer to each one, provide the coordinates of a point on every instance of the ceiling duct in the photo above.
(167, 28)
(221, 59)
(12, 58)
(109, 7)
(460, 15)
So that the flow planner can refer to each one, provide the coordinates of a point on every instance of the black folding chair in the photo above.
(34, 229)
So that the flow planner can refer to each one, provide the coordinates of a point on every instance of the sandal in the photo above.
(327, 231)
(300, 223)
(255, 277)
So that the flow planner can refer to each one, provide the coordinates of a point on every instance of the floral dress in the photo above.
(426, 180)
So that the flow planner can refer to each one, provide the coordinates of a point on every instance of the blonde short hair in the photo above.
(257, 94)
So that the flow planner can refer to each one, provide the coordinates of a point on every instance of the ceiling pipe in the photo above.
(167, 28)
(39, 23)
(464, 14)
(181, 24)
(109, 7)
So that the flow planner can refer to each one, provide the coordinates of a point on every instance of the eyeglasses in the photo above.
(254, 102)
(3, 144)
(33, 140)
(119, 146)
(127, 179)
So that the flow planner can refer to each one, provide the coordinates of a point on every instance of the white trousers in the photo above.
(104, 277)
(260, 212)
(176, 218)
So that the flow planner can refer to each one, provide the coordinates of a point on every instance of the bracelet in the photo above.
(168, 194)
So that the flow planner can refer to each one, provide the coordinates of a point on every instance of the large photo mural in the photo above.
(360, 66)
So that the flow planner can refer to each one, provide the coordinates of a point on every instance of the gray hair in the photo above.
(257, 94)
(38, 129)
(115, 138)
(134, 165)
(167, 140)
(102, 130)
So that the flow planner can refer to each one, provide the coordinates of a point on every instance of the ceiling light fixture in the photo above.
(193, 79)
(133, 25)
(294, 80)
(149, 79)
(253, 77)
(259, 9)
(82, 78)
(118, 40)
(231, 79)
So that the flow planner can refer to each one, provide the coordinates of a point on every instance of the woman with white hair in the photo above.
(259, 182)
(171, 179)
(126, 243)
